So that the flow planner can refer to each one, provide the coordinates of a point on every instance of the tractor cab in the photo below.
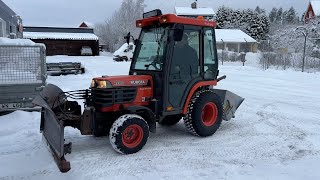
(178, 53)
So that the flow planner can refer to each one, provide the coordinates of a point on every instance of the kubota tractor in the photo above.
(172, 76)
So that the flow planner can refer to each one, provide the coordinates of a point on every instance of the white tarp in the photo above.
(55, 35)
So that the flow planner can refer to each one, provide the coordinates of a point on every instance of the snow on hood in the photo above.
(17, 42)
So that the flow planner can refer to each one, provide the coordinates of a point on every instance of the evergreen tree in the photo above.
(248, 20)
(284, 17)
(291, 16)
(279, 15)
(273, 15)
(259, 10)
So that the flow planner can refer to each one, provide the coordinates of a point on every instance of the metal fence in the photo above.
(22, 64)
(288, 60)
(229, 56)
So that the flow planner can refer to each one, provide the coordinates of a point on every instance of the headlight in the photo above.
(100, 84)
(93, 84)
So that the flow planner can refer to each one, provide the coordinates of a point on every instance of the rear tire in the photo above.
(204, 115)
(129, 133)
(170, 120)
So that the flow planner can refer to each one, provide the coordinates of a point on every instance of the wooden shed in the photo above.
(63, 41)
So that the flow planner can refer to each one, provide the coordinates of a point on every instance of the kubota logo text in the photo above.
(137, 82)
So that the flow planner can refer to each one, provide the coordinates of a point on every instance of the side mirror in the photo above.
(127, 37)
(178, 32)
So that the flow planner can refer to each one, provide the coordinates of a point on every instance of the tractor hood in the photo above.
(120, 81)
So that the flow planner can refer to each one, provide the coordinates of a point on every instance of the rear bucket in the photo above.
(51, 127)
(231, 103)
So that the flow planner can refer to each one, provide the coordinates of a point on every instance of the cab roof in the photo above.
(173, 19)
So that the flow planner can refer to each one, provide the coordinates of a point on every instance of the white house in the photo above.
(194, 11)
(235, 40)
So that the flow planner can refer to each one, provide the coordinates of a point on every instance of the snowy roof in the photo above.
(316, 7)
(204, 11)
(59, 35)
(90, 25)
(232, 35)
(16, 42)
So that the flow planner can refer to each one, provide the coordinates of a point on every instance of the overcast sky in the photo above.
(70, 13)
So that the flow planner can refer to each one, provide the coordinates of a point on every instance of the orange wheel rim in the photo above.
(132, 136)
(209, 114)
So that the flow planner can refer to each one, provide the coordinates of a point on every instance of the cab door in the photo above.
(184, 70)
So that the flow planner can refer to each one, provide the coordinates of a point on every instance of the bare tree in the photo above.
(112, 31)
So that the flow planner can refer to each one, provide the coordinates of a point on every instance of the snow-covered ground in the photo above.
(275, 134)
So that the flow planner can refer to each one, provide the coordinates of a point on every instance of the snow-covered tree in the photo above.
(273, 15)
(112, 31)
(279, 15)
(291, 16)
(259, 10)
(250, 21)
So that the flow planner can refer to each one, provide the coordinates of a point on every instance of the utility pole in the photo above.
(304, 32)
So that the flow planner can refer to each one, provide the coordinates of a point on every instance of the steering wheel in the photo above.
(155, 63)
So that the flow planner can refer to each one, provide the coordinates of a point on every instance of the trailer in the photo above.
(22, 74)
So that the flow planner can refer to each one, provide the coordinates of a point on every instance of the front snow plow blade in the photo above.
(53, 100)
(231, 103)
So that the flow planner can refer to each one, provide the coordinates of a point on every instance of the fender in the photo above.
(146, 113)
(194, 89)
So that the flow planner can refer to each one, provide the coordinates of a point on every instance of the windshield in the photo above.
(153, 44)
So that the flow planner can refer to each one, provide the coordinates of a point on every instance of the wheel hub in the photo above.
(209, 114)
(132, 136)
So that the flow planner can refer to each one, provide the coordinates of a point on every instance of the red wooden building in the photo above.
(313, 11)
(64, 41)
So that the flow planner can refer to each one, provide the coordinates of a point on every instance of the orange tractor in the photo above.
(172, 77)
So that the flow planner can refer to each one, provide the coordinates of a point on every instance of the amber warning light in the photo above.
(156, 12)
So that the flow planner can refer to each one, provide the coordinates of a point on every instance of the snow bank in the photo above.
(17, 42)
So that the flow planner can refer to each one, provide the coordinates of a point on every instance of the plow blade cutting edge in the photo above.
(51, 127)
(231, 103)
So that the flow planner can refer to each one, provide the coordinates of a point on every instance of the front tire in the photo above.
(129, 133)
(204, 115)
